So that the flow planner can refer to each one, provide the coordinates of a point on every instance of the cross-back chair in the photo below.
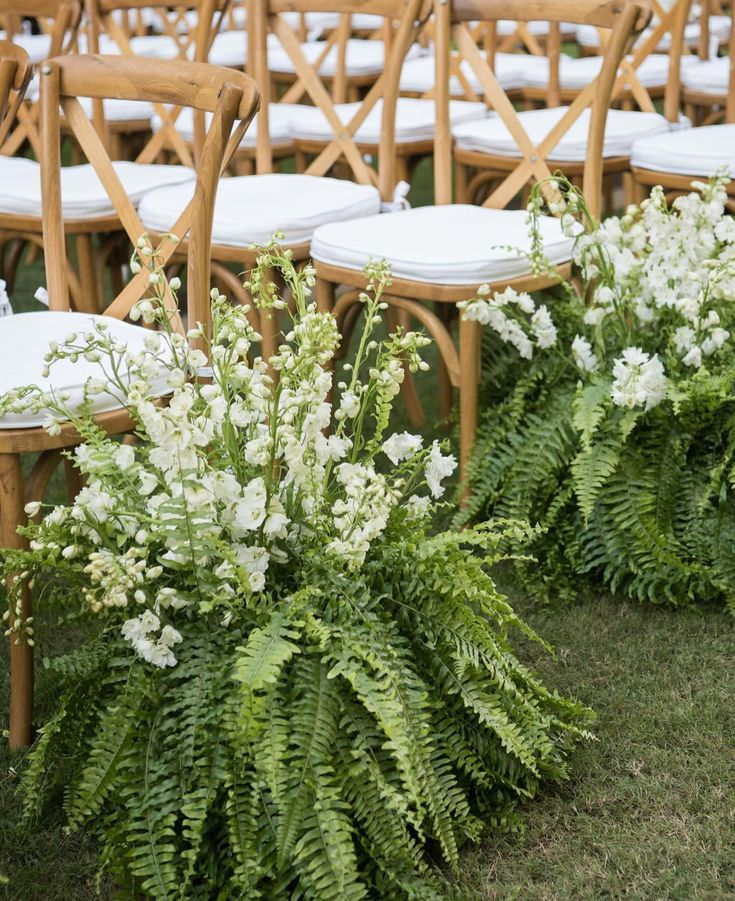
(63, 18)
(494, 155)
(708, 88)
(251, 208)
(229, 96)
(442, 253)
(690, 154)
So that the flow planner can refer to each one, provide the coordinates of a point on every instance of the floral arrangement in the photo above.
(295, 685)
(612, 405)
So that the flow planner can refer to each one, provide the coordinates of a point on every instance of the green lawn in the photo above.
(647, 814)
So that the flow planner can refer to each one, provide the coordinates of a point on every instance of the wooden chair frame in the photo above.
(64, 18)
(459, 365)
(230, 96)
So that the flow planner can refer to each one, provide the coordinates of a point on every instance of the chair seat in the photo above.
(537, 28)
(415, 120)
(121, 110)
(576, 74)
(279, 122)
(25, 340)
(229, 48)
(418, 75)
(82, 193)
(701, 151)
(455, 244)
(250, 209)
(709, 77)
(719, 30)
(155, 46)
(492, 136)
(361, 58)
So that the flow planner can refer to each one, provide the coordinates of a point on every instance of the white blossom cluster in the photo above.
(657, 289)
(236, 478)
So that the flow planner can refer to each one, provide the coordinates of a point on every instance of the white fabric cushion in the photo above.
(719, 28)
(250, 209)
(155, 46)
(447, 245)
(229, 48)
(82, 193)
(415, 120)
(695, 151)
(25, 340)
(361, 58)
(576, 74)
(121, 110)
(418, 75)
(709, 77)
(537, 28)
(366, 22)
(623, 127)
(279, 121)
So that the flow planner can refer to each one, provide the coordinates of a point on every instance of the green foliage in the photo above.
(641, 502)
(312, 749)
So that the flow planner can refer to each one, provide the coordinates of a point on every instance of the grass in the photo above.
(648, 811)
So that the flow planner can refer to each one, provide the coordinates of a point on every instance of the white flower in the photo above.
(543, 328)
(693, 357)
(418, 507)
(401, 446)
(438, 468)
(714, 341)
(584, 359)
(124, 457)
(250, 512)
(140, 626)
(639, 380)
(349, 406)
(33, 508)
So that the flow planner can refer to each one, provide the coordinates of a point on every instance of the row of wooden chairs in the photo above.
(439, 254)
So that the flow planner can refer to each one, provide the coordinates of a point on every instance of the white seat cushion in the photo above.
(82, 194)
(361, 58)
(25, 340)
(250, 209)
(415, 120)
(155, 46)
(37, 46)
(623, 127)
(719, 29)
(279, 121)
(537, 28)
(418, 75)
(121, 110)
(366, 22)
(576, 74)
(694, 151)
(229, 48)
(446, 245)
(708, 77)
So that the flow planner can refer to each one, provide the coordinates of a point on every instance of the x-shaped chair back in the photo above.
(62, 18)
(264, 17)
(15, 76)
(103, 16)
(623, 22)
(229, 95)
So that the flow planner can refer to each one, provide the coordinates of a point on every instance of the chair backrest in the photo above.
(190, 27)
(624, 21)
(15, 75)
(265, 16)
(231, 96)
(62, 18)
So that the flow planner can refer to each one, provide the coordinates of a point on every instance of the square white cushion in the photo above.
(25, 339)
(701, 151)
(415, 120)
(250, 209)
(418, 75)
(279, 122)
(82, 193)
(455, 244)
(719, 28)
(576, 74)
(708, 77)
(117, 110)
(361, 58)
(623, 127)
(37, 46)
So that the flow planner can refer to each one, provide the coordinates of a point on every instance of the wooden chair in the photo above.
(251, 208)
(487, 150)
(708, 88)
(442, 253)
(229, 96)
(691, 154)
(63, 20)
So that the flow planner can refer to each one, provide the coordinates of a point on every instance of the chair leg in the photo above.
(325, 291)
(88, 274)
(469, 381)
(446, 391)
(21, 655)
